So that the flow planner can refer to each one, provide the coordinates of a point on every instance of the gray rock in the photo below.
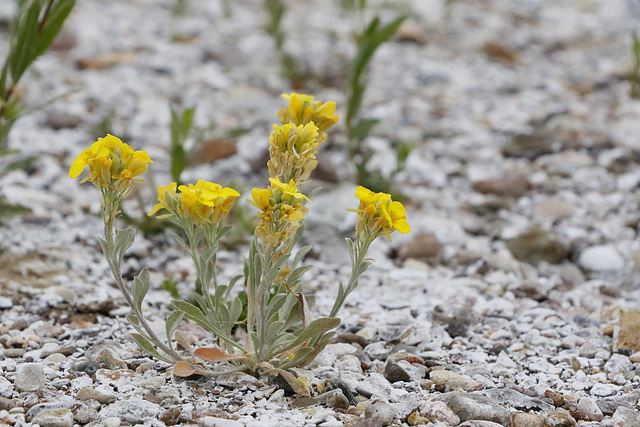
(452, 380)
(393, 372)
(629, 417)
(517, 400)
(471, 406)
(14, 353)
(111, 359)
(30, 377)
(61, 417)
(604, 390)
(382, 411)
(438, 411)
(618, 363)
(589, 407)
(89, 393)
(135, 410)
(537, 244)
(588, 350)
(335, 399)
(529, 146)
(479, 423)
(559, 418)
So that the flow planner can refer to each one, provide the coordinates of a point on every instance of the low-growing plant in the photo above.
(634, 76)
(280, 332)
(368, 41)
(35, 26)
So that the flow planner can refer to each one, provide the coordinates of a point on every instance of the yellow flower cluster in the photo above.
(112, 164)
(281, 209)
(378, 214)
(204, 202)
(293, 146)
(302, 109)
(292, 156)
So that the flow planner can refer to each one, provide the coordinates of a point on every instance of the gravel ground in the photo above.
(513, 301)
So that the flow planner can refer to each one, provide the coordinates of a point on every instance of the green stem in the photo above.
(352, 284)
(109, 214)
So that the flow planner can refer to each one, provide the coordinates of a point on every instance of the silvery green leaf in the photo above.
(140, 287)
(145, 344)
(273, 330)
(172, 323)
(132, 319)
(179, 239)
(297, 273)
(124, 240)
(194, 313)
(300, 255)
(235, 310)
(318, 347)
(107, 247)
(352, 252)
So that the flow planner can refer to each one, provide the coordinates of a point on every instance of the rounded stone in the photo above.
(380, 410)
(559, 418)
(337, 400)
(601, 258)
(61, 417)
(30, 377)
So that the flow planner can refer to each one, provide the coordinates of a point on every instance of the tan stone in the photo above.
(629, 333)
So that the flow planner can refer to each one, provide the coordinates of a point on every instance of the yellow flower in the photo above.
(112, 163)
(394, 217)
(162, 199)
(368, 197)
(261, 198)
(96, 150)
(290, 189)
(302, 109)
(293, 213)
(298, 140)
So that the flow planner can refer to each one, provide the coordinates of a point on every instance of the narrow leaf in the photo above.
(145, 344)
(214, 354)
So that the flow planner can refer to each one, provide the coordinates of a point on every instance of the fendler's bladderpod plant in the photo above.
(279, 332)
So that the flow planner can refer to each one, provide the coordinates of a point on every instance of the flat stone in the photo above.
(523, 419)
(537, 244)
(452, 380)
(604, 390)
(424, 246)
(509, 187)
(89, 393)
(507, 396)
(470, 406)
(438, 411)
(14, 353)
(559, 418)
(30, 377)
(60, 417)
